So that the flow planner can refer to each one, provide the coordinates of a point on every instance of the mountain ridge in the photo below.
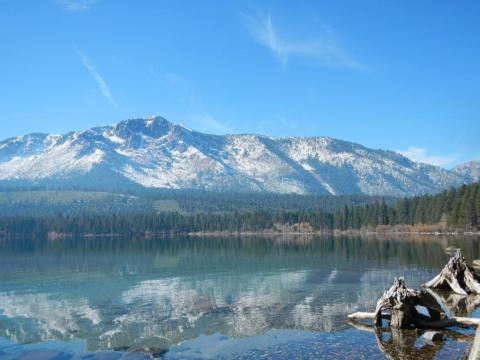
(154, 152)
(469, 169)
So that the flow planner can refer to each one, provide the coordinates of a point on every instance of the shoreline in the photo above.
(362, 232)
(332, 233)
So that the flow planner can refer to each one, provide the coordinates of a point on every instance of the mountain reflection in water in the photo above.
(117, 293)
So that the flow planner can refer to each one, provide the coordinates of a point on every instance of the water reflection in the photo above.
(115, 293)
(455, 304)
(398, 344)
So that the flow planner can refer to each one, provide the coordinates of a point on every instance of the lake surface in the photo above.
(184, 298)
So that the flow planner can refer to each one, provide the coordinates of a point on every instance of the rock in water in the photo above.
(154, 346)
(432, 336)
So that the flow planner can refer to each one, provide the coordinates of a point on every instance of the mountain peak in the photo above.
(153, 126)
(146, 122)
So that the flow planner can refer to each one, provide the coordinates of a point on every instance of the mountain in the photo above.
(156, 153)
(469, 169)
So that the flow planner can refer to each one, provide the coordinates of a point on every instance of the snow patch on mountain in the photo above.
(153, 152)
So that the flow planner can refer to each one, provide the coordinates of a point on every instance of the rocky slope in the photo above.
(469, 169)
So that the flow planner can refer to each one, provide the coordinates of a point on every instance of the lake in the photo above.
(233, 298)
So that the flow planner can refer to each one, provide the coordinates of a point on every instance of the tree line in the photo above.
(77, 201)
(164, 222)
(455, 209)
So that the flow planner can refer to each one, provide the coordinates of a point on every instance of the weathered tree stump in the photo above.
(457, 276)
(401, 303)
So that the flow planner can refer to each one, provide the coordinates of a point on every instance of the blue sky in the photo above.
(400, 75)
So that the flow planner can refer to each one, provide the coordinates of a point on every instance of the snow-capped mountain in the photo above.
(153, 152)
(469, 169)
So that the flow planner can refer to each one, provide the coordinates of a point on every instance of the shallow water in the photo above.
(214, 298)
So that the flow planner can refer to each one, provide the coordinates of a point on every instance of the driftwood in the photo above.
(457, 276)
(401, 303)
(423, 321)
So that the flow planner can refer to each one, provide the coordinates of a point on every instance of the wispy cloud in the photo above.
(323, 49)
(76, 5)
(419, 154)
(210, 124)
(196, 113)
(102, 85)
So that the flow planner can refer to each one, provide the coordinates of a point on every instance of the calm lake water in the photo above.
(189, 298)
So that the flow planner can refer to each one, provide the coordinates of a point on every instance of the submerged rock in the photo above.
(432, 336)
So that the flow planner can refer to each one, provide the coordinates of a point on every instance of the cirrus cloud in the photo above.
(76, 5)
(102, 85)
(284, 46)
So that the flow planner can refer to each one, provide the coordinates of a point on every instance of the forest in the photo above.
(78, 201)
(454, 209)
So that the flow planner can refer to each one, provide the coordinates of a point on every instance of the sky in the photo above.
(398, 75)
